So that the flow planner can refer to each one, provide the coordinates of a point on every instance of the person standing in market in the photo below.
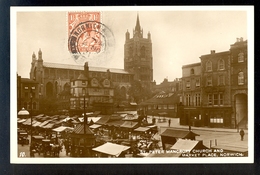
(242, 133)
(169, 121)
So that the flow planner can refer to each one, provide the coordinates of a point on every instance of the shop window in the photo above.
(26, 88)
(159, 106)
(216, 120)
(240, 57)
(221, 65)
(240, 78)
(164, 106)
(209, 66)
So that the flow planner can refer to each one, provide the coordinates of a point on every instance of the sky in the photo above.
(179, 36)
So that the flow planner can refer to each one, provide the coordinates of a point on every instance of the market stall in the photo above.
(111, 150)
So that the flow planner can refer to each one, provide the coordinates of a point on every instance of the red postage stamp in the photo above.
(84, 31)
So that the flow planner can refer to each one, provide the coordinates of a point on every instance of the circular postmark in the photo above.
(91, 40)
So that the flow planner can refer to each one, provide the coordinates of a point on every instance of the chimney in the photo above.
(237, 39)
(86, 70)
(108, 74)
(241, 39)
(212, 51)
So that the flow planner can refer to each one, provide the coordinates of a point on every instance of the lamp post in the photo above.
(31, 96)
(85, 119)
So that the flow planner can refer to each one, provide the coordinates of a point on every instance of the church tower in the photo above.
(138, 57)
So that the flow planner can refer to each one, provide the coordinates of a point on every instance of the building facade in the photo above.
(27, 95)
(215, 90)
(91, 93)
(191, 94)
(138, 58)
(239, 82)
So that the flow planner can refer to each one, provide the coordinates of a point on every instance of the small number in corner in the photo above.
(22, 154)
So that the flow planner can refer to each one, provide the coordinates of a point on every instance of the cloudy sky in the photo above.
(179, 35)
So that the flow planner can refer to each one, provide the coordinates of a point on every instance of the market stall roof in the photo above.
(94, 126)
(131, 117)
(62, 128)
(111, 149)
(36, 124)
(21, 121)
(44, 123)
(185, 145)
(178, 133)
(142, 129)
(48, 126)
(129, 124)
(103, 120)
(28, 122)
(80, 129)
(116, 123)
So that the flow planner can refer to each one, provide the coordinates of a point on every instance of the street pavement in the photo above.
(217, 136)
(210, 136)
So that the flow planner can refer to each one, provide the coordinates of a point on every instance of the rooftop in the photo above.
(81, 67)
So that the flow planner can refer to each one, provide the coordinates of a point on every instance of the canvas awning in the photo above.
(48, 126)
(185, 145)
(129, 124)
(142, 129)
(21, 121)
(62, 128)
(178, 133)
(44, 123)
(111, 149)
(36, 124)
(103, 120)
(115, 123)
(94, 126)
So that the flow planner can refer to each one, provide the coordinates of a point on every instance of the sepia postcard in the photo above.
(157, 84)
